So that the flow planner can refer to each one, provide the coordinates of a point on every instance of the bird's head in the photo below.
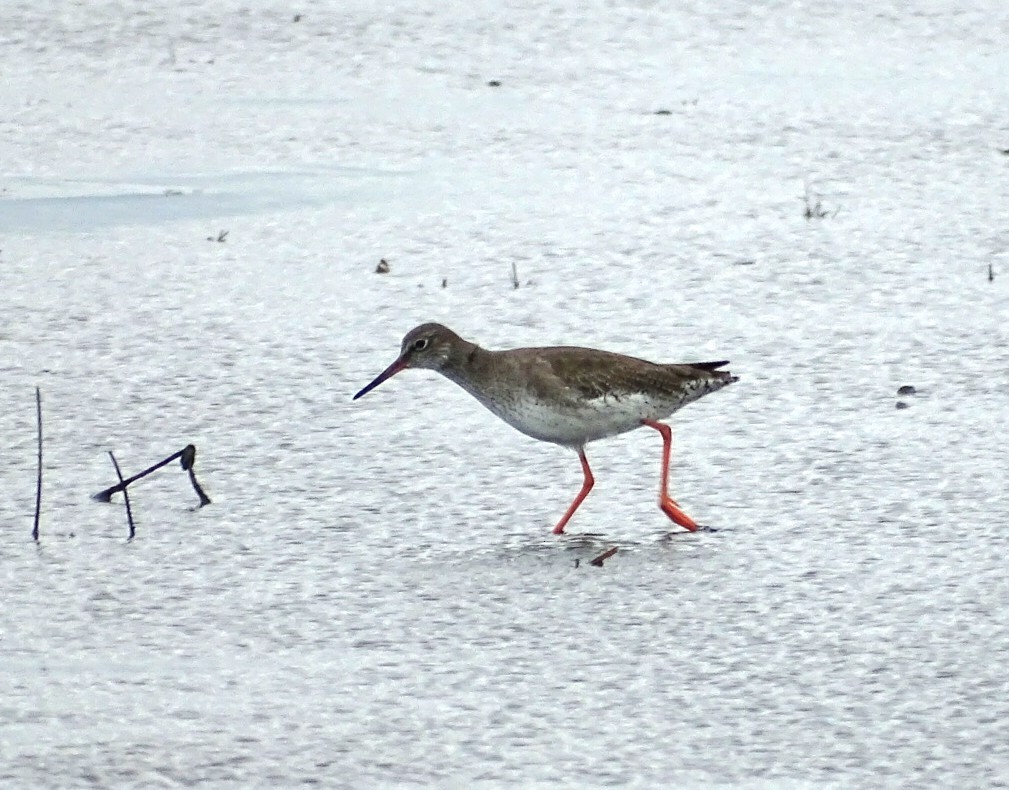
(426, 346)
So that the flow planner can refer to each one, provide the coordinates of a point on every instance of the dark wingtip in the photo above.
(711, 365)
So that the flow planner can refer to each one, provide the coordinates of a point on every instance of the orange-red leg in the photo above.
(586, 487)
(669, 507)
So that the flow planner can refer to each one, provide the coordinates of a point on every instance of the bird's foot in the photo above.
(671, 509)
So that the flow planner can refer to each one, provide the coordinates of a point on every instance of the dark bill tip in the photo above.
(389, 372)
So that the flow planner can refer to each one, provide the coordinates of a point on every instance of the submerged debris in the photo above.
(598, 561)
(813, 207)
(906, 391)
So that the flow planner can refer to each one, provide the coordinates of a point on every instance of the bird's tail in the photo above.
(713, 367)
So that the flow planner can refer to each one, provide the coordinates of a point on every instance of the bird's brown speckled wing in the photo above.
(586, 374)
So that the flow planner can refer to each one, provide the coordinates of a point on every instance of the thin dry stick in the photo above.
(515, 276)
(126, 496)
(598, 561)
(187, 460)
(38, 487)
(187, 457)
(106, 495)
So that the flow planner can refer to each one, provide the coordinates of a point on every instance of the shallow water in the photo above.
(374, 597)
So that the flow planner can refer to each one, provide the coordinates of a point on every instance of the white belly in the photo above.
(573, 426)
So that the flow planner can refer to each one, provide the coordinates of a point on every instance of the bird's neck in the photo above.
(467, 365)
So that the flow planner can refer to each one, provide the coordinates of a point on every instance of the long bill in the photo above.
(388, 373)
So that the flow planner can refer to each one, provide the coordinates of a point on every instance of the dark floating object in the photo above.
(383, 267)
(187, 456)
(991, 273)
(745, 262)
(444, 282)
(38, 487)
(907, 389)
(126, 496)
(494, 84)
(221, 237)
(660, 112)
(598, 561)
(515, 277)
(902, 405)
(297, 17)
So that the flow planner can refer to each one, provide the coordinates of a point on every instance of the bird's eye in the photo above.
(420, 344)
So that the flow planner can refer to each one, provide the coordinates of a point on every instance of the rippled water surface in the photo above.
(374, 598)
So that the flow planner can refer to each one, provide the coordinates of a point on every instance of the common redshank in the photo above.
(565, 395)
